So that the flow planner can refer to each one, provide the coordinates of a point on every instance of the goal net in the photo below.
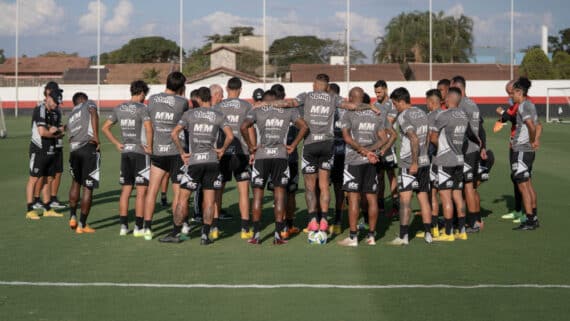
(3, 131)
(558, 105)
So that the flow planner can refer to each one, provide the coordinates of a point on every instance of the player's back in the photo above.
(130, 117)
(319, 108)
(203, 125)
(235, 111)
(453, 124)
(165, 110)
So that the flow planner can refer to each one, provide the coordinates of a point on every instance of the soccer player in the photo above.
(319, 108)
(236, 158)
(202, 161)
(389, 161)
(42, 152)
(363, 132)
(165, 110)
(474, 151)
(443, 87)
(337, 170)
(217, 93)
(414, 164)
(447, 133)
(135, 148)
(524, 145)
(84, 159)
(271, 159)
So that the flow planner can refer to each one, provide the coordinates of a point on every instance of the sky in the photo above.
(71, 25)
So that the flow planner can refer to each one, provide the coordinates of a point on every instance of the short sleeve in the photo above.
(295, 115)
(525, 110)
(145, 113)
(252, 115)
(405, 123)
(337, 100)
(301, 98)
(439, 122)
(183, 122)
(91, 105)
(39, 116)
(113, 116)
(346, 121)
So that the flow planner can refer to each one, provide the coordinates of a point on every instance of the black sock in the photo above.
(323, 216)
(83, 219)
(176, 229)
(37, 200)
(72, 212)
(289, 222)
(477, 217)
(530, 218)
(205, 231)
(461, 224)
(46, 206)
(215, 222)
(313, 215)
(256, 227)
(163, 196)
(365, 216)
(148, 224)
(319, 216)
(427, 228)
(403, 231)
(278, 229)
(54, 198)
(245, 225)
(30, 206)
(337, 216)
(434, 221)
(139, 222)
(448, 225)
(124, 220)
(353, 234)
(534, 212)
(381, 203)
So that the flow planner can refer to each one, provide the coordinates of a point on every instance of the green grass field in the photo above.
(48, 251)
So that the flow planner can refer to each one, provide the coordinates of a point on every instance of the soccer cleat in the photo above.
(350, 242)
(178, 238)
(293, 230)
(124, 231)
(460, 236)
(245, 234)
(512, 215)
(471, 230)
(527, 226)
(214, 233)
(371, 240)
(52, 213)
(324, 225)
(254, 241)
(205, 241)
(147, 234)
(138, 232)
(435, 232)
(38, 206)
(32, 215)
(56, 205)
(519, 220)
(73, 223)
(420, 234)
(84, 230)
(185, 228)
(399, 241)
(428, 238)
(284, 234)
(445, 237)
(279, 241)
(313, 226)
(335, 229)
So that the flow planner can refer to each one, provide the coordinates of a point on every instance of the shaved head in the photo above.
(356, 95)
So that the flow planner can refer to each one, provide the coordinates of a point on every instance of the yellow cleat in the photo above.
(434, 232)
(444, 238)
(335, 229)
(52, 213)
(460, 236)
(246, 235)
(73, 223)
(84, 230)
(32, 215)
(420, 234)
(214, 234)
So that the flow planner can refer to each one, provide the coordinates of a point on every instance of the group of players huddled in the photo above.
(199, 144)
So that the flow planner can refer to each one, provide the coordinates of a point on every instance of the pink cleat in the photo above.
(324, 225)
(313, 225)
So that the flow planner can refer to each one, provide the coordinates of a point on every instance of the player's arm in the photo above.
(301, 124)
(95, 125)
(175, 135)
(285, 103)
(106, 129)
(434, 137)
(382, 140)
(392, 136)
(531, 130)
(415, 146)
(538, 134)
(147, 124)
(229, 138)
(244, 129)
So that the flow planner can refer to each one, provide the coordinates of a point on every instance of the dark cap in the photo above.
(52, 85)
(56, 95)
(258, 94)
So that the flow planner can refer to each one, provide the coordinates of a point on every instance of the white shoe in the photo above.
(428, 238)
(138, 232)
(399, 241)
(185, 228)
(38, 206)
(148, 234)
(124, 231)
(56, 205)
(370, 240)
(348, 242)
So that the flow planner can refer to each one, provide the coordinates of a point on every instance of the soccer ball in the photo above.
(318, 237)
(3, 133)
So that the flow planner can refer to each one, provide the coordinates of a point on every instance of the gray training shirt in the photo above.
(235, 110)
(165, 111)
(451, 125)
(415, 120)
(272, 127)
(203, 125)
(318, 111)
(521, 139)
(472, 111)
(79, 125)
(131, 117)
(339, 145)
(364, 127)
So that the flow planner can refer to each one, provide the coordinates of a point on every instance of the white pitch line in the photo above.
(283, 286)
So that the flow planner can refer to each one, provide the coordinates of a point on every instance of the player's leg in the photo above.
(178, 218)
(312, 201)
(124, 209)
(447, 206)
(381, 187)
(30, 188)
(208, 208)
(279, 210)
(256, 214)
(156, 177)
(164, 190)
(325, 198)
(425, 208)
(243, 193)
(393, 181)
(372, 199)
(353, 212)
(74, 191)
(90, 165)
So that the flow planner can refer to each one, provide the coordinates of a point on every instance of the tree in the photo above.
(560, 42)
(249, 60)
(59, 54)
(197, 60)
(144, 50)
(307, 50)
(535, 65)
(561, 64)
(151, 76)
(407, 39)
(2, 57)
(233, 37)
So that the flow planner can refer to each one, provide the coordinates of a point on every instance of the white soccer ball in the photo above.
(318, 237)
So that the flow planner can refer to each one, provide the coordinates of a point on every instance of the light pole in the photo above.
(347, 46)
(17, 60)
(181, 28)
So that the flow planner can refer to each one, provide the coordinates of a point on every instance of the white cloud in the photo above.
(456, 11)
(121, 18)
(148, 29)
(37, 17)
(88, 21)
(361, 28)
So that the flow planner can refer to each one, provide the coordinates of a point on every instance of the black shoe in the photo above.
(225, 216)
(527, 226)
(172, 239)
(205, 241)
(164, 202)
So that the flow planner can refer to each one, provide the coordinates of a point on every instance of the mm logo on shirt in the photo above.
(320, 110)
(74, 117)
(127, 123)
(274, 123)
(161, 115)
(234, 119)
(203, 128)
(366, 126)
